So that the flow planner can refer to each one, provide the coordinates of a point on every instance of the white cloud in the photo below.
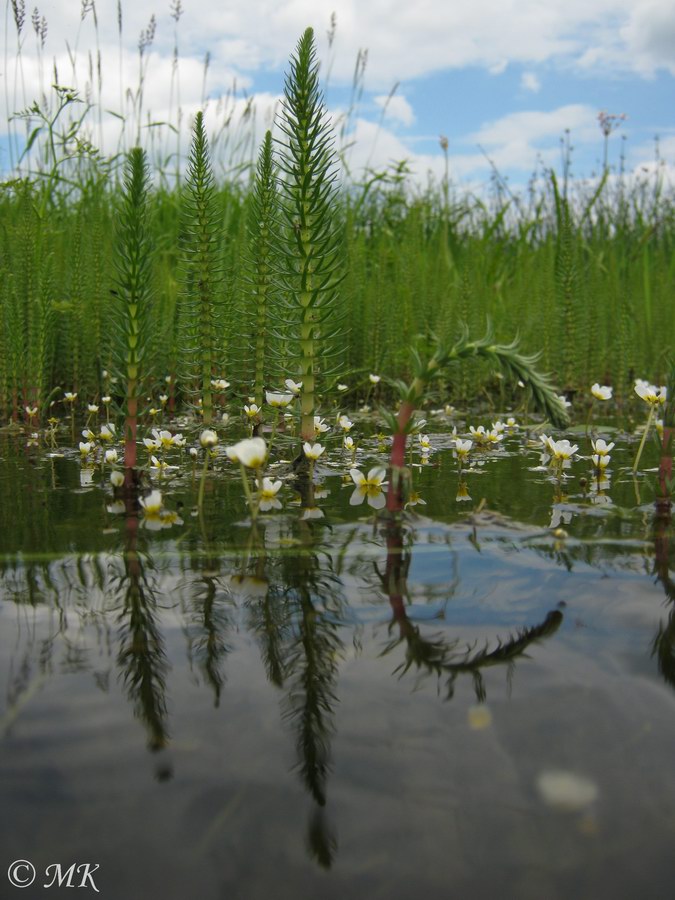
(404, 40)
(396, 108)
(529, 81)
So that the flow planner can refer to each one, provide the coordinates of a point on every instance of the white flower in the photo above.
(251, 452)
(92, 408)
(107, 432)
(293, 386)
(106, 399)
(219, 384)
(600, 461)
(649, 392)
(70, 397)
(312, 512)
(267, 492)
(278, 400)
(86, 448)
(348, 443)
(601, 391)
(425, 445)
(462, 448)
(194, 453)
(564, 402)
(208, 439)
(31, 410)
(345, 423)
(562, 450)
(369, 486)
(152, 504)
(320, 426)
(374, 379)
(342, 388)
(601, 448)
(116, 478)
(111, 456)
(224, 419)
(313, 451)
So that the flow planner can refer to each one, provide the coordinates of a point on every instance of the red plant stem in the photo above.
(130, 429)
(666, 464)
(397, 458)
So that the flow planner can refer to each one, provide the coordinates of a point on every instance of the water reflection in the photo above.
(294, 585)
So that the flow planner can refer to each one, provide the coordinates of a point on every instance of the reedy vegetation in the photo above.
(585, 276)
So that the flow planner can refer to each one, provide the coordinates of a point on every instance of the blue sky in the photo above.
(500, 78)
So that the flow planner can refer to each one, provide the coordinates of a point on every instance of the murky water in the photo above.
(478, 701)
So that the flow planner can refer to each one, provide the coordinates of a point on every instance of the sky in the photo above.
(505, 82)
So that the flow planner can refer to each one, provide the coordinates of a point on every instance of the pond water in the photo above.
(478, 700)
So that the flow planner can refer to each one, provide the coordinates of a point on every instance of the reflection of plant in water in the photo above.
(141, 657)
(445, 659)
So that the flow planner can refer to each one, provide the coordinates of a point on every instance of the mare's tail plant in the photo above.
(311, 267)
(200, 344)
(261, 284)
(427, 367)
(134, 294)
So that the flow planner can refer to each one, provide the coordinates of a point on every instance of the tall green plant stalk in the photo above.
(311, 269)
(426, 368)
(262, 289)
(200, 350)
(134, 294)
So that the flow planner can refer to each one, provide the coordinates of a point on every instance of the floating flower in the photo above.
(107, 432)
(252, 411)
(152, 504)
(116, 478)
(293, 386)
(348, 443)
(313, 451)
(479, 434)
(155, 516)
(601, 447)
(424, 442)
(600, 462)
(320, 426)
(511, 422)
(650, 393)
(151, 444)
(219, 384)
(369, 486)
(86, 447)
(208, 439)
(562, 451)
(267, 494)
(601, 391)
(374, 379)
(345, 423)
(251, 452)
(110, 456)
(462, 448)
(278, 400)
